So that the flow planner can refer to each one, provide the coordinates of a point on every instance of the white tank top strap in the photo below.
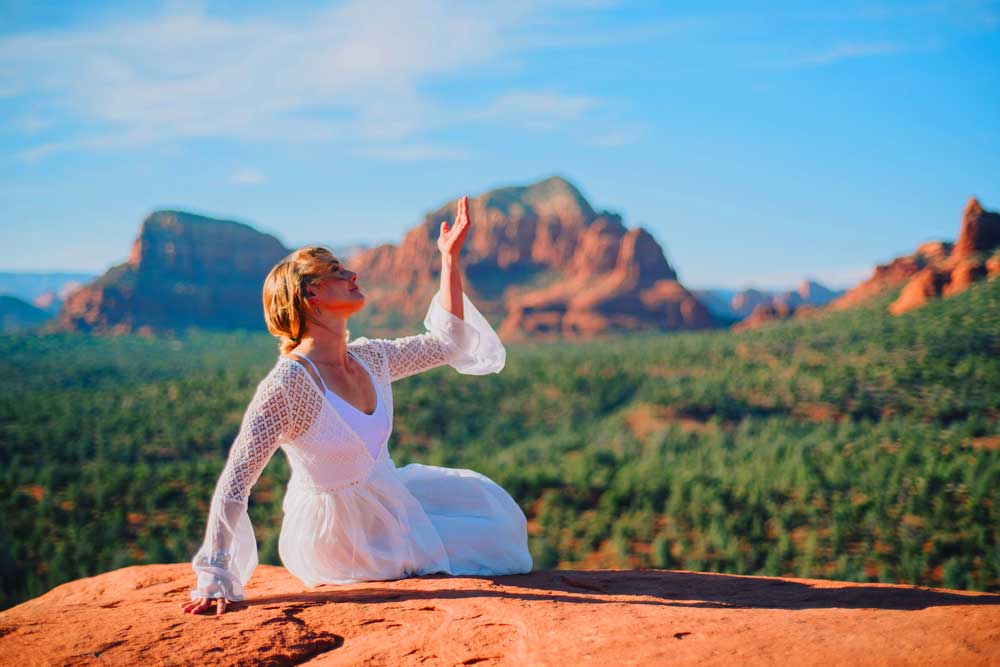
(306, 357)
(371, 428)
(341, 401)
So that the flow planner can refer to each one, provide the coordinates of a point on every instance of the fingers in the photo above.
(201, 604)
(195, 606)
(465, 217)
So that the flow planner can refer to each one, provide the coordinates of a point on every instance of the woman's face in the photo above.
(337, 292)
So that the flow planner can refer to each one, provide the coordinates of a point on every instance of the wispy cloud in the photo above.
(30, 123)
(616, 138)
(415, 152)
(354, 71)
(543, 110)
(246, 177)
(846, 51)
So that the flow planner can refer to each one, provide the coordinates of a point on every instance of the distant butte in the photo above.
(183, 270)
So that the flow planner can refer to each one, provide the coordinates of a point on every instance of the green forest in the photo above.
(852, 445)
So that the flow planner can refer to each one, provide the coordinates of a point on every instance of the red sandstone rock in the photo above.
(980, 230)
(183, 269)
(937, 268)
(935, 252)
(131, 616)
(885, 277)
(763, 314)
(993, 266)
(966, 272)
(542, 260)
(808, 299)
(926, 285)
(743, 303)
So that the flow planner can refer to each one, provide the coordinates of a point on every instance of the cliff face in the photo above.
(183, 269)
(543, 259)
(132, 616)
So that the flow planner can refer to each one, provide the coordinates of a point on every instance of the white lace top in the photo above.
(326, 454)
(372, 427)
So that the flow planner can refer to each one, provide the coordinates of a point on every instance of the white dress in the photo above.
(350, 514)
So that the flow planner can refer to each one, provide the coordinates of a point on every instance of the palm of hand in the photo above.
(451, 238)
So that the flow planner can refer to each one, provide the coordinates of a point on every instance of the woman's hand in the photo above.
(451, 238)
(197, 605)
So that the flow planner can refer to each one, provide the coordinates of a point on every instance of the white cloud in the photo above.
(851, 50)
(246, 177)
(415, 152)
(30, 123)
(616, 138)
(543, 110)
(356, 71)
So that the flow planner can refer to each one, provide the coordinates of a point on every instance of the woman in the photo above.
(350, 514)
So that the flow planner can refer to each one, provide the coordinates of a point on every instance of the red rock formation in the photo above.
(641, 291)
(541, 256)
(926, 285)
(980, 230)
(764, 313)
(993, 266)
(935, 252)
(966, 272)
(808, 299)
(527, 244)
(936, 269)
(183, 270)
(131, 616)
(811, 293)
(744, 303)
(886, 277)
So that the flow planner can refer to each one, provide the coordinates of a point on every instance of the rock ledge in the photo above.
(597, 617)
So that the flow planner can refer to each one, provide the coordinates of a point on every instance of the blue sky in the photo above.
(760, 143)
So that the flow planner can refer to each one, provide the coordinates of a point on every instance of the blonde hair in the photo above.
(285, 304)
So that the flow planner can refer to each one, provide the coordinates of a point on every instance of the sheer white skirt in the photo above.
(400, 522)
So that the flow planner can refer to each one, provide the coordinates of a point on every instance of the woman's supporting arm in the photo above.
(228, 554)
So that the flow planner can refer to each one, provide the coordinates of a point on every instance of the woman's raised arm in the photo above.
(457, 333)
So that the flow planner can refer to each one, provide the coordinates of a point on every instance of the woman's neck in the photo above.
(325, 343)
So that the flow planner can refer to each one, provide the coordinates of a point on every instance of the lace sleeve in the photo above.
(469, 345)
(228, 555)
